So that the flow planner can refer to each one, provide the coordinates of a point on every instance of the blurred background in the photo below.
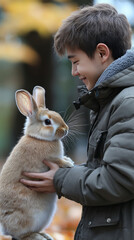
(27, 59)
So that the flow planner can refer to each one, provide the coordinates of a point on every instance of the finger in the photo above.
(34, 175)
(51, 165)
(32, 183)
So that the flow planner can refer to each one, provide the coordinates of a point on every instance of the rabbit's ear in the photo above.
(25, 103)
(39, 96)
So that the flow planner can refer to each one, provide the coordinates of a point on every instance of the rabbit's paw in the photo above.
(36, 236)
(68, 162)
(46, 236)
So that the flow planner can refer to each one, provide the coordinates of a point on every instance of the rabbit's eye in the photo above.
(47, 122)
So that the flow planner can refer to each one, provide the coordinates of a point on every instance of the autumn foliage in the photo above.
(22, 17)
(65, 221)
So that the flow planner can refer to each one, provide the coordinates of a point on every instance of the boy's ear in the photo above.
(104, 52)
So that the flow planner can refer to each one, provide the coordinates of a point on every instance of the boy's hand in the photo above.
(45, 184)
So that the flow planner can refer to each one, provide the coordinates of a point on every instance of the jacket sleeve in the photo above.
(113, 181)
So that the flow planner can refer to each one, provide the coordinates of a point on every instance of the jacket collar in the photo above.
(117, 66)
(88, 100)
(96, 98)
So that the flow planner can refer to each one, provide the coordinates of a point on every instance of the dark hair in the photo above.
(90, 25)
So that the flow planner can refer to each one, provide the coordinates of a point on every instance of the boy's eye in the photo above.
(75, 62)
(47, 122)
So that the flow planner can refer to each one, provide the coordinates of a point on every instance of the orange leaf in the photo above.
(5, 237)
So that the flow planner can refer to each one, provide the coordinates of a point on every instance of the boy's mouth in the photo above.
(82, 79)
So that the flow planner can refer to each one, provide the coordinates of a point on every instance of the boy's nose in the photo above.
(74, 72)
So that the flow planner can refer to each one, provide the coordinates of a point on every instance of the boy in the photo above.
(96, 40)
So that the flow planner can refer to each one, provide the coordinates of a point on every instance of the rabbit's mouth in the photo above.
(65, 132)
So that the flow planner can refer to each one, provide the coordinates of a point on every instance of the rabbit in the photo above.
(24, 212)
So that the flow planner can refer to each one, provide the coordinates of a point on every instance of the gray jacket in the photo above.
(104, 186)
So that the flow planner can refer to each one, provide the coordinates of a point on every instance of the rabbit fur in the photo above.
(24, 212)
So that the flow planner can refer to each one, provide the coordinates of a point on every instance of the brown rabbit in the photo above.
(24, 212)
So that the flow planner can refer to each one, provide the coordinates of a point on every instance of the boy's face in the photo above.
(87, 69)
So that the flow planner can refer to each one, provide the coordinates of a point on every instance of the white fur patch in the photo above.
(43, 218)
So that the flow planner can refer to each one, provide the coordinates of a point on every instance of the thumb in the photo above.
(51, 165)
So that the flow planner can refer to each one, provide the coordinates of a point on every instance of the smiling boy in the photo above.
(96, 39)
(87, 69)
